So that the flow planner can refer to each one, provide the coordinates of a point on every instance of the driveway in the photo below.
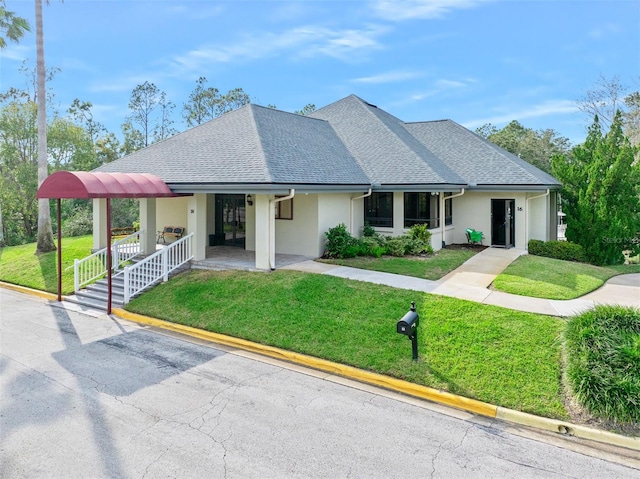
(90, 396)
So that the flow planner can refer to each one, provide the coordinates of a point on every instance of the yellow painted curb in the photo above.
(398, 385)
(563, 427)
(31, 291)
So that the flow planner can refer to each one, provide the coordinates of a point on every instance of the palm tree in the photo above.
(45, 232)
(12, 28)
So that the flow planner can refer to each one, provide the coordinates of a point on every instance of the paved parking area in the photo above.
(89, 396)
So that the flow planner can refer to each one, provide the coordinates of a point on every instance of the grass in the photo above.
(549, 278)
(492, 354)
(431, 267)
(603, 356)
(20, 265)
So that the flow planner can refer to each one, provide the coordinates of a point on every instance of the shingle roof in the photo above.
(477, 160)
(347, 143)
(251, 145)
(385, 150)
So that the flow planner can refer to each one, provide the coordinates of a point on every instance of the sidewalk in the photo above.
(471, 281)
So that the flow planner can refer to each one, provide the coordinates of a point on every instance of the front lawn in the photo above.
(431, 267)
(488, 353)
(20, 265)
(541, 277)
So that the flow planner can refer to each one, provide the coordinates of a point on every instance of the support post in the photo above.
(109, 264)
(59, 252)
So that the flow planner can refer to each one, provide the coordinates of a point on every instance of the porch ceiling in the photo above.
(84, 184)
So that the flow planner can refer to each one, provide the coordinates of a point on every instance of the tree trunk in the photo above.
(45, 233)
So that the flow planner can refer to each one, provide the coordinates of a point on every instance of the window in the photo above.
(423, 207)
(284, 209)
(448, 210)
(378, 209)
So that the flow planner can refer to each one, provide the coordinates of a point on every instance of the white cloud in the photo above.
(16, 52)
(388, 77)
(547, 108)
(604, 30)
(308, 41)
(398, 10)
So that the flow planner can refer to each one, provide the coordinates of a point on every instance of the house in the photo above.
(274, 182)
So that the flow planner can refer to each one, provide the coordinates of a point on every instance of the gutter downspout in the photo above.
(526, 217)
(351, 209)
(272, 227)
(442, 214)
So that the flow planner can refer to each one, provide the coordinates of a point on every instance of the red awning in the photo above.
(85, 184)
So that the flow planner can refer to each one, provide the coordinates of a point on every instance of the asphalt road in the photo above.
(89, 396)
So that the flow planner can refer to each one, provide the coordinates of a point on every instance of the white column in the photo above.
(148, 225)
(197, 224)
(99, 223)
(398, 213)
(262, 231)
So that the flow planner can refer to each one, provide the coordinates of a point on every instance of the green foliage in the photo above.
(601, 194)
(564, 250)
(602, 347)
(535, 147)
(397, 246)
(80, 223)
(368, 231)
(422, 239)
(340, 243)
(12, 27)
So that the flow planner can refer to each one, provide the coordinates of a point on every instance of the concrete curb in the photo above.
(397, 385)
(31, 291)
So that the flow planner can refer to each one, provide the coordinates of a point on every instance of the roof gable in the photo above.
(385, 150)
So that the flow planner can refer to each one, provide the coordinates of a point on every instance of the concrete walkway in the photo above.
(471, 281)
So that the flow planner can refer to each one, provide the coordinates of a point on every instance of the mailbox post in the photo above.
(408, 326)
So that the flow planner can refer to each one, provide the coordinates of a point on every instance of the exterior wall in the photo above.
(300, 235)
(172, 212)
(473, 210)
(537, 218)
(334, 209)
(250, 225)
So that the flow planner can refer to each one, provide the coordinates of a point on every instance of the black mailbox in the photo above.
(408, 326)
(409, 322)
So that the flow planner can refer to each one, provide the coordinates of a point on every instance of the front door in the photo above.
(503, 223)
(230, 220)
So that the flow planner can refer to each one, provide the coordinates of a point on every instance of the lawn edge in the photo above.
(422, 392)
(31, 291)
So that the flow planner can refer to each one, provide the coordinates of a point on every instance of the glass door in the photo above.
(230, 220)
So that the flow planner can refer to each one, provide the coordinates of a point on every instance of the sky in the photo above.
(472, 61)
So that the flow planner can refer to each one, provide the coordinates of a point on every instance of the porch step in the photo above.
(95, 295)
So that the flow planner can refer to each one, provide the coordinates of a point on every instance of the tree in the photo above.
(601, 193)
(45, 241)
(606, 98)
(202, 104)
(12, 27)
(232, 100)
(133, 139)
(144, 100)
(163, 129)
(535, 147)
(306, 110)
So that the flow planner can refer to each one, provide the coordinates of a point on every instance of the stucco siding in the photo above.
(333, 209)
(172, 212)
(299, 235)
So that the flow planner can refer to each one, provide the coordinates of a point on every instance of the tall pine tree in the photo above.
(601, 193)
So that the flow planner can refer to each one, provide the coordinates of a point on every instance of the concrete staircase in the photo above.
(95, 296)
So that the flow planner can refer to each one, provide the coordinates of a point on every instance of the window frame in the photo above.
(281, 213)
(375, 219)
(431, 204)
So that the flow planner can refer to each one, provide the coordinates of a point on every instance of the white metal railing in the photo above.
(156, 267)
(93, 267)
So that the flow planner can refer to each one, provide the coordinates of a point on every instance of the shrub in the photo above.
(368, 230)
(564, 250)
(372, 246)
(602, 348)
(396, 246)
(79, 224)
(341, 243)
(421, 232)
